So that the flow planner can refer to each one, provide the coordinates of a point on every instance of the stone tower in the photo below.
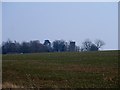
(47, 43)
(72, 46)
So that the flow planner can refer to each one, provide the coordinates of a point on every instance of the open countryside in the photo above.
(97, 69)
(59, 45)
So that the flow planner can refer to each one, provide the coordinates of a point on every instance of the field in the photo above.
(61, 70)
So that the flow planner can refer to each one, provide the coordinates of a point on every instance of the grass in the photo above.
(61, 70)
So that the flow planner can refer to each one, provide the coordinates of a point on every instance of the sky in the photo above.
(76, 21)
(60, 0)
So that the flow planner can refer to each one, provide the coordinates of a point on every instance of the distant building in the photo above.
(72, 46)
(47, 43)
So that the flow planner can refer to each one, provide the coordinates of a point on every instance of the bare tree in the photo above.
(87, 45)
(99, 43)
(90, 46)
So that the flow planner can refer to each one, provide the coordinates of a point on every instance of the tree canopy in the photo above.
(56, 46)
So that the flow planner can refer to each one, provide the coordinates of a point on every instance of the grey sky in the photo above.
(68, 21)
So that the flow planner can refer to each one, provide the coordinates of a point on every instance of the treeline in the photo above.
(56, 46)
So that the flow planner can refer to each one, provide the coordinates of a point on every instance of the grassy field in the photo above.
(61, 70)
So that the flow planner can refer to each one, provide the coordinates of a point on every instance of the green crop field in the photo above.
(61, 70)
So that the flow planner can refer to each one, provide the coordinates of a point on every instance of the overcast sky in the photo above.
(55, 21)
